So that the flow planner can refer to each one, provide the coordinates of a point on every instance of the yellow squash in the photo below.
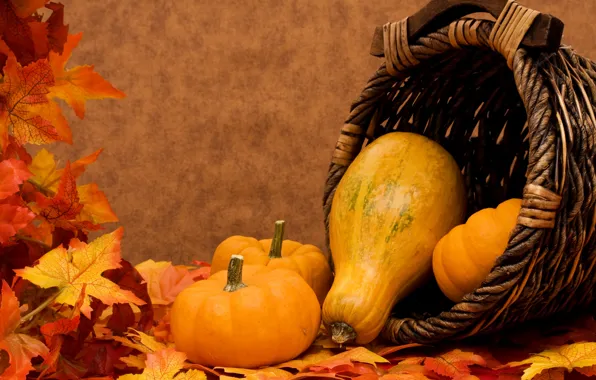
(396, 200)
(465, 256)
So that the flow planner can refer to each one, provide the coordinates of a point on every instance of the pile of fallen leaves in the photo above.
(71, 309)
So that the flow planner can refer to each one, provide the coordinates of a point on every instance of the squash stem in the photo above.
(276, 242)
(235, 274)
(342, 333)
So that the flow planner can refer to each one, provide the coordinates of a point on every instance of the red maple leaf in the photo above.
(12, 174)
(13, 217)
(65, 204)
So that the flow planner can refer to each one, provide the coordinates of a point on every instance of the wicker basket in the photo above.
(520, 122)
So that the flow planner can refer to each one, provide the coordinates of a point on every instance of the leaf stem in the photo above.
(39, 308)
(27, 238)
(276, 242)
(235, 274)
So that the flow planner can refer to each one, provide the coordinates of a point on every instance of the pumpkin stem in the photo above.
(341, 332)
(276, 242)
(235, 274)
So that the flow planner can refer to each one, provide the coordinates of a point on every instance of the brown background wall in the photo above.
(232, 112)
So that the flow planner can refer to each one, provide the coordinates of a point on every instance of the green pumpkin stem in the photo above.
(276, 242)
(342, 333)
(235, 274)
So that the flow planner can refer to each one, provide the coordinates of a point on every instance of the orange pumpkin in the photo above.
(464, 257)
(305, 259)
(261, 317)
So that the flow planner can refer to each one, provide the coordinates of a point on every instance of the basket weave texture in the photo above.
(519, 124)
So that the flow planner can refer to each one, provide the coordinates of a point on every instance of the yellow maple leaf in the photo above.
(313, 355)
(569, 357)
(166, 364)
(80, 83)
(140, 341)
(82, 264)
(257, 374)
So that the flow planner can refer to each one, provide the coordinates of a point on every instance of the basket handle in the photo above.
(545, 33)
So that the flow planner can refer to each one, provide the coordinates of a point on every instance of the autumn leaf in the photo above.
(164, 280)
(17, 35)
(65, 204)
(80, 83)
(20, 348)
(26, 112)
(454, 364)
(312, 356)
(13, 217)
(54, 332)
(24, 8)
(358, 360)
(166, 364)
(96, 207)
(93, 203)
(404, 371)
(569, 357)
(82, 264)
(257, 374)
(46, 174)
(12, 174)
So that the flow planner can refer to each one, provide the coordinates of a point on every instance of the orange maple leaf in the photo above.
(26, 112)
(454, 364)
(21, 348)
(80, 83)
(82, 265)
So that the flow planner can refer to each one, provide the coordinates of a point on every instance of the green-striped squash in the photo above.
(396, 200)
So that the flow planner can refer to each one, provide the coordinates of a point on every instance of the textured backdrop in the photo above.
(232, 110)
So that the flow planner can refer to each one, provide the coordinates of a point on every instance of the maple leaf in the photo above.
(454, 364)
(45, 172)
(569, 357)
(166, 364)
(17, 34)
(404, 371)
(358, 360)
(54, 332)
(12, 174)
(13, 217)
(96, 207)
(80, 83)
(164, 280)
(82, 265)
(20, 348)
(26, 112)
(24, 8)
(258, 374)
(65, 204)
(312, 356)
(57, 31)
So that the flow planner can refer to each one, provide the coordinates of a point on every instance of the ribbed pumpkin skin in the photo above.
(465, 256)
(305, 259)
(272, 320)
(400, 195)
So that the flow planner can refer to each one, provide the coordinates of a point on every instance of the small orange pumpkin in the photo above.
(305, 259)
(465, 256)
(260, 318)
